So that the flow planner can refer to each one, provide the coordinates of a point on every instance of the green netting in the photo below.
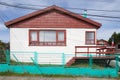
(107, 72)
(75, 71)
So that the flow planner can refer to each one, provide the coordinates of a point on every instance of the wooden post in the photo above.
(88, 51)
(75, 51)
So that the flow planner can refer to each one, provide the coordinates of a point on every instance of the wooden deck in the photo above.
(105, 57)
(94, 50)
(96, 53)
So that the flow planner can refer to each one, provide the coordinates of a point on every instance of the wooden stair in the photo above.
(70, 62)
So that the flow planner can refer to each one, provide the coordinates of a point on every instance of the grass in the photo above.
(12, 62)
(85, 65)
(94, 66)
(32, 75)
(8, 73)
(54, 76)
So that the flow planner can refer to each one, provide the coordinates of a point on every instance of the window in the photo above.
(47, 37)
(90, 37)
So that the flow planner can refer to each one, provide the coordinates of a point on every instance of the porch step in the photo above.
(70, 62)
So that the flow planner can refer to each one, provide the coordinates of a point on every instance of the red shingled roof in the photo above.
(12, 22)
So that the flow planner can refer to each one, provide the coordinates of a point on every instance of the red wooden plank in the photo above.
(99, 50)
(98, 57)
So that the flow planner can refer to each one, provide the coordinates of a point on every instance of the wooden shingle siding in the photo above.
(52, 17)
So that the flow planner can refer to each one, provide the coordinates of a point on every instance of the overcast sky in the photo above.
(108, 27)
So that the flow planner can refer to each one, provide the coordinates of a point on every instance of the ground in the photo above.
(50, 78)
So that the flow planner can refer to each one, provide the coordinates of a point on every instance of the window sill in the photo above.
(47, 45)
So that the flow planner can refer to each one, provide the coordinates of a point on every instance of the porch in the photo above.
(97, 51)
(101, 53)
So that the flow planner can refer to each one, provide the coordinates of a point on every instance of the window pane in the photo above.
(47, 36)
(60, 36)
(90, 38)
(41, 36)
(90, 35)
(50, 36)
(33, 36)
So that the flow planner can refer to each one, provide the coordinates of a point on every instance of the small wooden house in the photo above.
(51, 30)
(102, 42)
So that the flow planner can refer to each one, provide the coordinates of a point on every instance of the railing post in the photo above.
(75, 51)
(90, 61)
(7, 56)
(88, 51)
(36, 57)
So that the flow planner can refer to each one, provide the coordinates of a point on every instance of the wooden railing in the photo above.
(94, 50)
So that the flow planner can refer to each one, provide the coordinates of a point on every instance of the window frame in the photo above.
(93, 39)
(44, 43)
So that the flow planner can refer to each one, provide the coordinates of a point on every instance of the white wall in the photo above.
(19, 41)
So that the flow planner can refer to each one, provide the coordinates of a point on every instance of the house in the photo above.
(102, 42)
(50, 31)
(117, 46)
